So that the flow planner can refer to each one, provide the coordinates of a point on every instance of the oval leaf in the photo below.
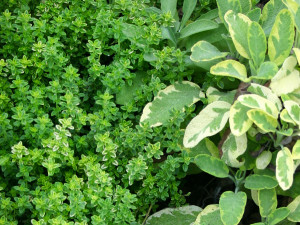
(204, 51)
(175, 96)
(254, 101)
(226, 5)
(232, 148)
(172, 216)
(269, 13)
(212, 165)
(263, 160)
(293, 110)
(263, 120)
(296, 150)
(230, 68)
(294, 208)
(208, 122)
(266, 93)
(281, 37)
(197, 27)
(257, 43)
(209, 215)
(232, 206)
(238, 119)
(258, 182)
(284, 115)
(267, 201)
(287, 78)
(278, 215)
(238, 25)
(266, 71)
(284, 168)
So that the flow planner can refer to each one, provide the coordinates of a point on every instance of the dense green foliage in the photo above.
(71, 150)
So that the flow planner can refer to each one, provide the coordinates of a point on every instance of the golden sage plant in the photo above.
(257, 123)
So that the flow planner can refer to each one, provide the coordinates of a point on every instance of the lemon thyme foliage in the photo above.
(71, 148)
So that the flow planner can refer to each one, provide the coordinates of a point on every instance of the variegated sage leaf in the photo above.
(232, 206)
(175, 216)
(263, 120)
(287, 79)
(209, 215)
(238, 120)
(259, 182)
(263, 160)
(293, 110)
(278, 215)
(230, 68)
(284, 115)
(214, 94)
(175, 96)
(284, 168)
(266, 71)
(297, 53)
(212, 165)
(254, 196)
(257, 43)
(246, 5)
(238, 25)
(254, 101)
(296, 150)
(204, 51)
(294, 208)
(267, 201)
(294, 8)
(281, 38)
(254, 14)
(226, 5)
(208, 122)
(269, 13)
(265, 93)
(232, 148)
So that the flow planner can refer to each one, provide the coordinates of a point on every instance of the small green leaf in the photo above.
(296, 150)
(187, 9)
(197, 27)
(259, 182)
(267, 201)
(263, 160)
(209, 215)
(232, 148)
(212, 165)
(238, 28)
(284, 168)
(208, 122)
(294, 208)
(281, 38)
(230, 68)
(297, 53)
(232, 206)
(257, 43)
(204, 51)
(205, 146)
(175, 96)
(238, 120)
(266, 71)
(278, 215)
(269, 13)
(174, 216)
(263, 120)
